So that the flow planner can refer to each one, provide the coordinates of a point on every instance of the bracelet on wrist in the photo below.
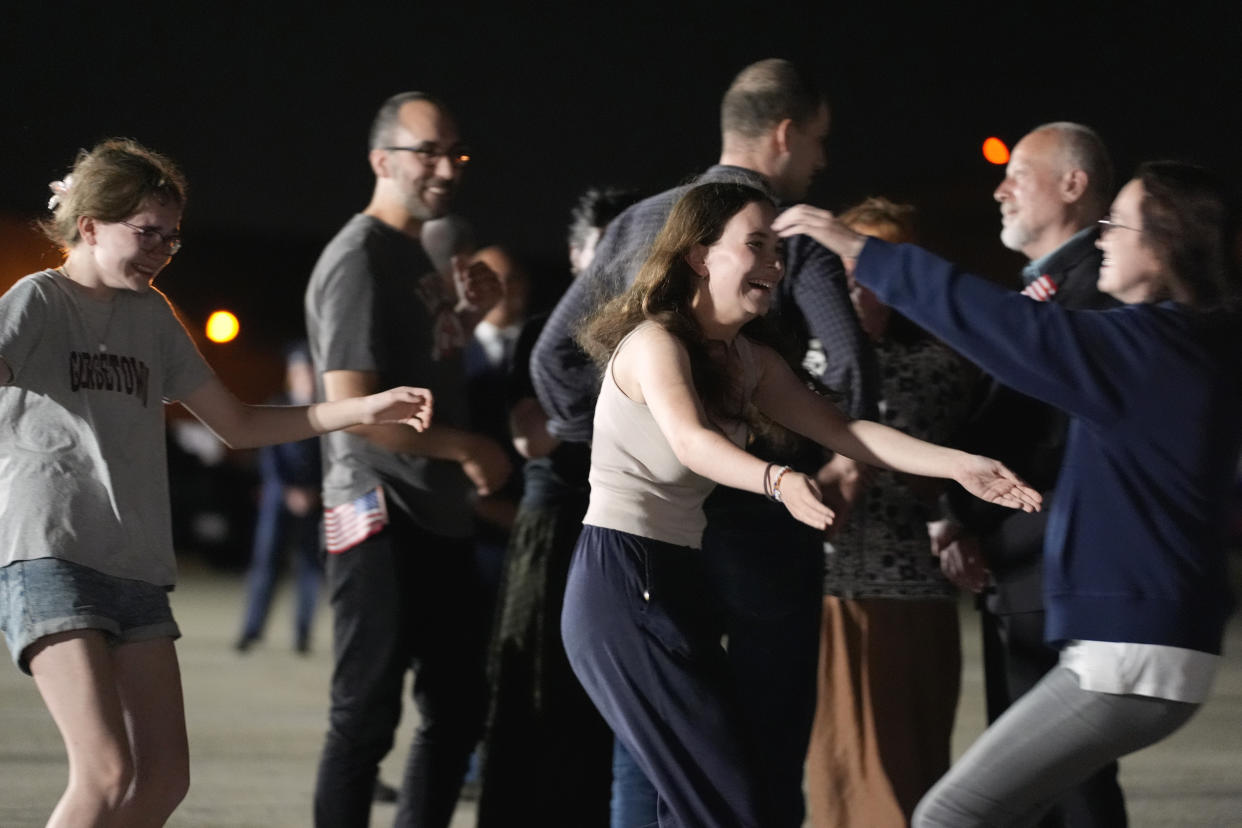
(776, 485)
(767, 482)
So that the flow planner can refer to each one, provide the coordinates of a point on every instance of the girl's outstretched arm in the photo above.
(783, 397)
(240, 425)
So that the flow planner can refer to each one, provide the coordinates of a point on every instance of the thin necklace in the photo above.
(86, 322)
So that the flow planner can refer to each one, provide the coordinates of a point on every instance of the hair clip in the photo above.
(59, 189)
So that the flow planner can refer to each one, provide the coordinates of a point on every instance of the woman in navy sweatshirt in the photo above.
(1135, 577)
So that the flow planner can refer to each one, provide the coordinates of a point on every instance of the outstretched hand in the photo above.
(802, 498)
(822, 226)
(410, 406)
(990, 480)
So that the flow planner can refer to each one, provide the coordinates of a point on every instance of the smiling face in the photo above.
(126, 258)
(738, 274)
(1032, 195)
(423, 181)
(1131, 272)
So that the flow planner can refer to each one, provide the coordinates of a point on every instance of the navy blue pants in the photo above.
(276, 526)
(766, 570)
(642, 630)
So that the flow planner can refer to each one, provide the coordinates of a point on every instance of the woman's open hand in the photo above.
(802, 498)
(990, 480)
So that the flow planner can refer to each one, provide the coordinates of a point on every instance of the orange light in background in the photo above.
(222, 327)
(995, 151)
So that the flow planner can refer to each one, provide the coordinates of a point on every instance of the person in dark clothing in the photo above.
(1135, 586)
(288, 516)
(547, 754)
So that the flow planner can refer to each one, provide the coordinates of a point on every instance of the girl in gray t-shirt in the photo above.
(89, 353)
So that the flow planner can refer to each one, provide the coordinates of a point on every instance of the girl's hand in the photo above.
(802, 498)
(411, 406)
(989, 480)
(822, 226)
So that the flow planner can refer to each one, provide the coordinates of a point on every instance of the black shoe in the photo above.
(302, 645)
(245, 642)
(383, 791)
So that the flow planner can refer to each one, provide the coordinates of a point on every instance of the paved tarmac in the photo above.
(256, 722)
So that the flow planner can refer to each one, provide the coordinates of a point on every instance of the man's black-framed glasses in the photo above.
(429, 154)
(149, 238)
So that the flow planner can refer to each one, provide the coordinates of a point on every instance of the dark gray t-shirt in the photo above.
(375, 303)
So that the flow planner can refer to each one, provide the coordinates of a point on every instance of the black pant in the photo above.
(547, 753)
(1015, 660)
(403, 599)
(769, 576)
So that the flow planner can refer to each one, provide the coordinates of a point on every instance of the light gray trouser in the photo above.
(1049, 740)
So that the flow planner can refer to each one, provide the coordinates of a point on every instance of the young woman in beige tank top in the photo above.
(682, 379)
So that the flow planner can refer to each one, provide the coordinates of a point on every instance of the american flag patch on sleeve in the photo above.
(1042, 289)
(349, 524)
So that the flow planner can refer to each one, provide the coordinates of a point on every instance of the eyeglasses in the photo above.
(1107, 223)
(429, 154)
(151, 239)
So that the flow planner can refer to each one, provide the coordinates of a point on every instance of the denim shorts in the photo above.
(47, 596)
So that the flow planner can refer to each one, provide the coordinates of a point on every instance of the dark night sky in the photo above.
(267, 109)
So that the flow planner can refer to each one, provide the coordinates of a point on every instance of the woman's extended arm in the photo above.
(783, 397)
(653, 368)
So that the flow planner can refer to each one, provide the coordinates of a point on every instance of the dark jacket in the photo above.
(1028, 436)
(1134, 550)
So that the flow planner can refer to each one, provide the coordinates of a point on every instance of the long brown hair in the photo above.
(663, 290)
(1191, 220)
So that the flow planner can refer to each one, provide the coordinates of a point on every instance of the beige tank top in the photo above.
(637, 483)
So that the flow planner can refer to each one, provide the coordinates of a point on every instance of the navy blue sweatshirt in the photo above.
(1134, 550)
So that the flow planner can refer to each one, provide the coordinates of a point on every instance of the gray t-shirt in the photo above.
(83, 472)
(375, 303)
